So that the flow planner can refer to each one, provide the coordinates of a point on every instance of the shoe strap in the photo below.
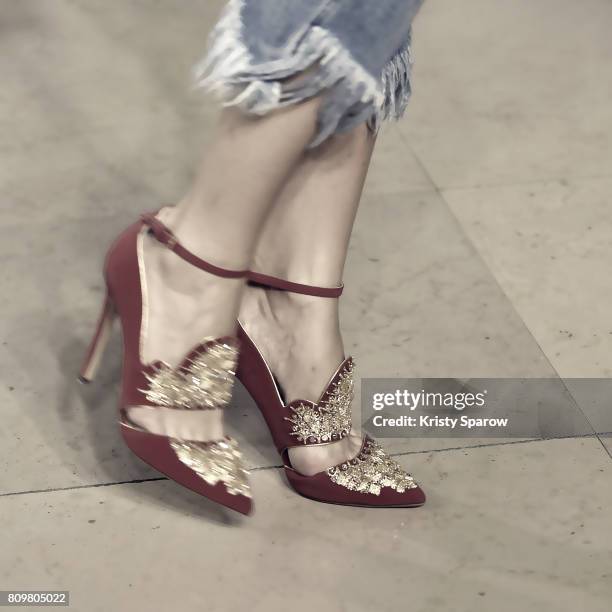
(166, 236)
(274, 282)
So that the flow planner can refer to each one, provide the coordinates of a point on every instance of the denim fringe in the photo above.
(231, 73)
(396, 87)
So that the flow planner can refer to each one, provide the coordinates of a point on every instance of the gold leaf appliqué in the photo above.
(370, 471)
(215, 462)
(205, 383)
(331, 419)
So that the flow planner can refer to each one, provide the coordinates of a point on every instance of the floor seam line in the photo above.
(510, 442)
(111, 484)
(477, 253)
(523, 183)
(278, 467)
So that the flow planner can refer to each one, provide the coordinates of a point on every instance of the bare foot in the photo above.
(299, 336)
(182, 306)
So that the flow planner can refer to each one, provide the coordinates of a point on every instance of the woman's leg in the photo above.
(305, 240)
(219, 220)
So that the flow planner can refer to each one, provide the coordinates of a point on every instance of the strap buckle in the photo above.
(161, 232)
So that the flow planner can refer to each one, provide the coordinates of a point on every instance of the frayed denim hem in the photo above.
(351, 95)
(396, 87)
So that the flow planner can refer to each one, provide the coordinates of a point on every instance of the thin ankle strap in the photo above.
(165, 235)
(257, 278)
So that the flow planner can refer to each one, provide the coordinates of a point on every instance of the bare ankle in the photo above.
(298, 335)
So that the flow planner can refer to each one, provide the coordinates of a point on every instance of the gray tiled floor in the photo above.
(481, 249)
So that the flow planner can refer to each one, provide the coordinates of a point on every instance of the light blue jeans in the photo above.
(359, 52)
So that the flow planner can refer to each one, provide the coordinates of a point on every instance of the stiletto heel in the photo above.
(372, 478)
(203, 380)
(94, 354)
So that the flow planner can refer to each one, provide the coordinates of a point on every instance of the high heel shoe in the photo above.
(202, 381)
(372, 478)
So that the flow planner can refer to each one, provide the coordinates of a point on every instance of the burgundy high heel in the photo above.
(372, 478)
(202, 381)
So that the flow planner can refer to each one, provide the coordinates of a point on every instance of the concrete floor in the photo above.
(482, 249)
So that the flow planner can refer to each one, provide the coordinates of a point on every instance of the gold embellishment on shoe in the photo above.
(370, 471)
(215, 462)
(331, 419)
(205, 383)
